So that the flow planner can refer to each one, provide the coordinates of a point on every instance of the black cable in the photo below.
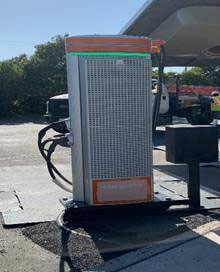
(157, 101)
(50, 166)
(63, 226)
(41, 146)
(50, 151)
(50, 169)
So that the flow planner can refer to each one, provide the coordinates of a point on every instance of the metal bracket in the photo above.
(70, 138)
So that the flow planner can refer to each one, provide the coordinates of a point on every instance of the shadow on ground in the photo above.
(96, 241)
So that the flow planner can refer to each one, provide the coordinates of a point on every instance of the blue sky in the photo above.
(25, 23)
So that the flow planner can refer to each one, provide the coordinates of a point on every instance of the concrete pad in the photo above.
(161, 176)
(9, 202)
(28, 216)
(178, 187)
(210, 199)
(43, 201)
(166, 193)
(5, 187)
(134, 257)
(38, 188)
(38, 195)
(177, 172)
(200, 253)
(33, 174)
(24, 171)
(209, 176)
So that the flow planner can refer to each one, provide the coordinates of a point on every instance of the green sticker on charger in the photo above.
(121, 54)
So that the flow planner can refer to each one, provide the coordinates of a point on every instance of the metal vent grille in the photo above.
(119, 116)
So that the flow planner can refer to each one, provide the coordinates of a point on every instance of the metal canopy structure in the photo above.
(190, 27)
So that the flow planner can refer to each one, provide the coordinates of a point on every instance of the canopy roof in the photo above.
(190, 27)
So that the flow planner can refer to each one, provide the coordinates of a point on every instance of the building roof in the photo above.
(190, 27)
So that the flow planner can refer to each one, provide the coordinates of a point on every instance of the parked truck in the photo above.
(191, 102)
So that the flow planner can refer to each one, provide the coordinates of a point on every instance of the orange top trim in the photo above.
(112, 44)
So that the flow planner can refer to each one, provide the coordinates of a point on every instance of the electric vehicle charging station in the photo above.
(110, 130)
(110, 119)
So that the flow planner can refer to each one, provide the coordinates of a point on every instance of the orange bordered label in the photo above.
(122, 191)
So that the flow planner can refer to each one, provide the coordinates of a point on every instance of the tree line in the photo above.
(26, 83)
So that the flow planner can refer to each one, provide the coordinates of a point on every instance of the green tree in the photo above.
(194, 76)
(211, 75)
(26, 83)
(45, 75)
(169, 77)
(11, 81)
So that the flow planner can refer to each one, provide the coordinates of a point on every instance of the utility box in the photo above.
(110, 106)
(186, 144)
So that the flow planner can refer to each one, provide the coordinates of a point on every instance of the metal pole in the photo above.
(157, 101)
(177, 92)
(194, 184)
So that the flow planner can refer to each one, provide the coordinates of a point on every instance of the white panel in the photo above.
(111, 120)
(117, 121)
(75, 124)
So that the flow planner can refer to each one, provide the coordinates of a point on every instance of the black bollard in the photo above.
(193, 184)
(192, 145)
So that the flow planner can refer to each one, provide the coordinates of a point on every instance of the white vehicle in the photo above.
(196, 109)
(165, 99)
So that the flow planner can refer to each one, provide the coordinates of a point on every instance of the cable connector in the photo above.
(60, 127)
(70, 138)
(67, 122)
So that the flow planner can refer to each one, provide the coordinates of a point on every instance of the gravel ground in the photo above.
(193, 221)
(82, 251)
